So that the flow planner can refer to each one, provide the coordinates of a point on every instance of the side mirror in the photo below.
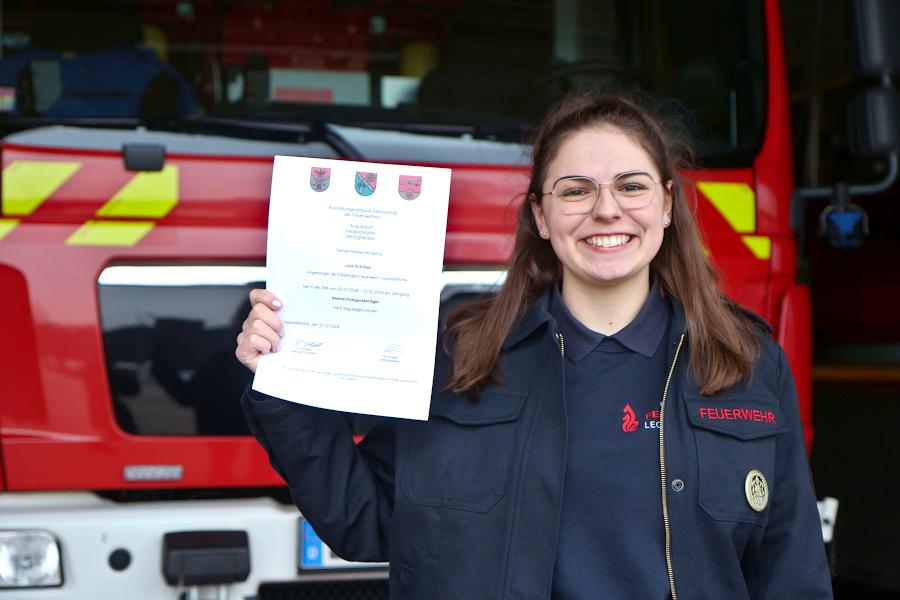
(875, 41)
(873, 122)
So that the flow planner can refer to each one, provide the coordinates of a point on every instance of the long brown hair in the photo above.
(722, 343)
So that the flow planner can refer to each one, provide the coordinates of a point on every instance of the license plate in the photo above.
(315, 555)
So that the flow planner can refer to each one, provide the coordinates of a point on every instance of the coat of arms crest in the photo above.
(319, 178)
(410, 187)
(365, 183)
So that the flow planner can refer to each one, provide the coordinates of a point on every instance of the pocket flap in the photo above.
(494, 405)
(744, 418)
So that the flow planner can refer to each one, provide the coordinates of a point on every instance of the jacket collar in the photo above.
(535, 315)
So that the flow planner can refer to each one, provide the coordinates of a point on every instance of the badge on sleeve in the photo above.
(757, 490)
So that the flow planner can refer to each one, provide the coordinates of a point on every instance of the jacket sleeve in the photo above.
(792, 560)
(345, 491)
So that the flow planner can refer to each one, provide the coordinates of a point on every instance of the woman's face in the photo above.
(609, 245)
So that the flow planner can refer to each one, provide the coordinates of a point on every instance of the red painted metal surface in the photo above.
(744, 277)
(2, 473)
(773, 165)
(794, 336)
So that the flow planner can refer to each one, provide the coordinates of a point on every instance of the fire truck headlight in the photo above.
(29, 558)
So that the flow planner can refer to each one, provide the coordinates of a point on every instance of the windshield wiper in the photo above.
(272, 131)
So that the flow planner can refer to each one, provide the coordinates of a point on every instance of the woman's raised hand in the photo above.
(262, 329)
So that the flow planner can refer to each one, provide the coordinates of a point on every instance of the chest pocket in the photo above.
(734, 436)
(461, 457)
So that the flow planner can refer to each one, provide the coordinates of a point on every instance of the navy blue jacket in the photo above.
(466, 504)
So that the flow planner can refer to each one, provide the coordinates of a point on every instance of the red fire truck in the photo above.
(137, 153)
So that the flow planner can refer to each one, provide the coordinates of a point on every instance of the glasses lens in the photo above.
(633, 190)
(579, 193)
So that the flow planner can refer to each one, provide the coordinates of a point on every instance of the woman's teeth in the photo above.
(608, 241)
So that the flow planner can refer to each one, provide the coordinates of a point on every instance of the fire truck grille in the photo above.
(326, 590)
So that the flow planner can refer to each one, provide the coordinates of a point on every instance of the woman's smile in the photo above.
(608, 242)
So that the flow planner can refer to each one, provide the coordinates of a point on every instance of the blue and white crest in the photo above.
(366, 183)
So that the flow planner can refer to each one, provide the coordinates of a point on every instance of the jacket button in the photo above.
(677, 485)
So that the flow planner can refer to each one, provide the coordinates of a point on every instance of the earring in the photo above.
(544, 235)
(666, 222)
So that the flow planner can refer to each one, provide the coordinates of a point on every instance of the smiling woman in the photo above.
(608, 425)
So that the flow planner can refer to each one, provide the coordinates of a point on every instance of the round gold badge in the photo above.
(757, 490)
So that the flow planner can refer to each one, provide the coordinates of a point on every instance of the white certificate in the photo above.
(355, 252)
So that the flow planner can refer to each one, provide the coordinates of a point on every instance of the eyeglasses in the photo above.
(579, 193)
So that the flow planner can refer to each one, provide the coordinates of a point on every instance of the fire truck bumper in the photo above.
(120, 550)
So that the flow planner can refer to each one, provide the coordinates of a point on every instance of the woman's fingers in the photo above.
(261, 317)
(260, 296)
(262, 329)
(255, 342)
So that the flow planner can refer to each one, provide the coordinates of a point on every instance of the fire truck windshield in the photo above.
(486, 68)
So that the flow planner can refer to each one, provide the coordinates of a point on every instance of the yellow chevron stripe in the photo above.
(735, 201)
(27, 183)
(146, 195)
(760, 245)
(7, 225)
(110, 233)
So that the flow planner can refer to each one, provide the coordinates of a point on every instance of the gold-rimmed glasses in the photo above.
(579, 193)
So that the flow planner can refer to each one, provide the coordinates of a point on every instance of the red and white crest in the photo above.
(410, 187)
(319, 178)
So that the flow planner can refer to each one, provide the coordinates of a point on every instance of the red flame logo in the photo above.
(629, 421)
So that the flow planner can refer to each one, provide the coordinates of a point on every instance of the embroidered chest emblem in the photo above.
(629, 420)
(757, 490)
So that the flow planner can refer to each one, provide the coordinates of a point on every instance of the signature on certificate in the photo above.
(306, 346)
(392, 353)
